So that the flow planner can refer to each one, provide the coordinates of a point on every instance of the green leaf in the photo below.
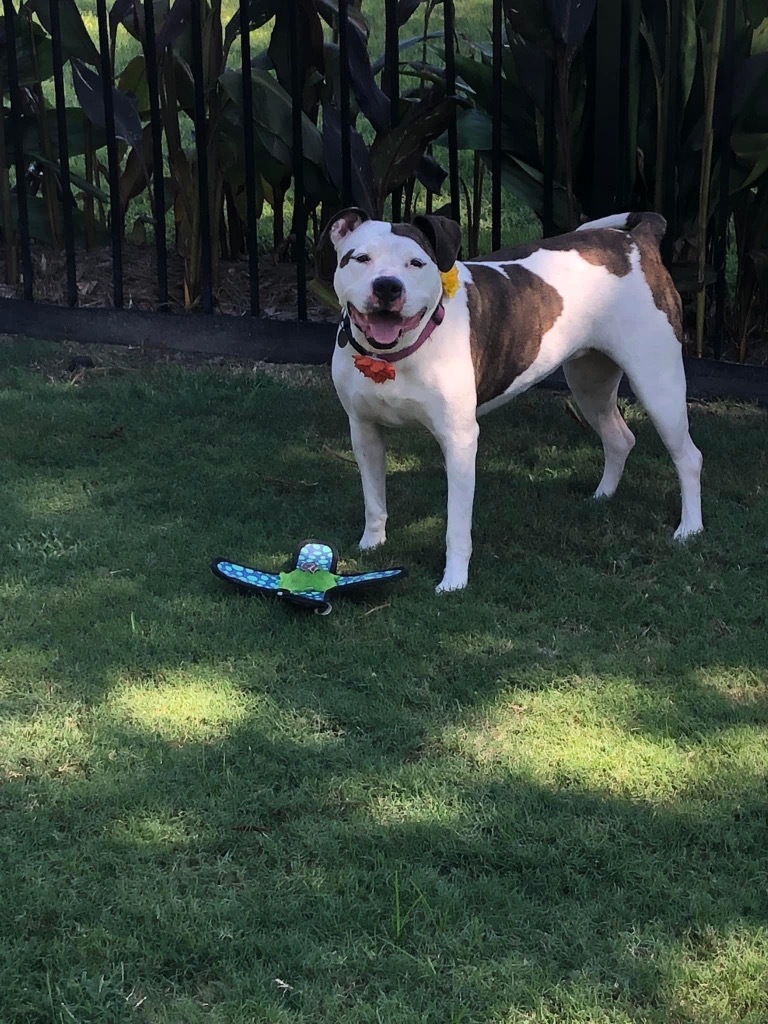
(474, 129)
(273, 129)
(517, 109)
(75, 38)
(752, 150)
(395, 155)
(760, 38)
(300, 16)
(88, 87)
(34, 53)
(40, 225)
(685, 276)
(362, 185)
(36, 128)
(133, 82)
(138, 170)
(259, 13)
(527, 183)
(230, 156)
(569, 20)
(756, 10)
(77, 179)
(528, 19)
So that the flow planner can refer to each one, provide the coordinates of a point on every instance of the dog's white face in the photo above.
(385, 278)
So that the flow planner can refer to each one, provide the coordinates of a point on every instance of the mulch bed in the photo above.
(277, 283)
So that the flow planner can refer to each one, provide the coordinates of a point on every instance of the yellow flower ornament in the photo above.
(450, 279)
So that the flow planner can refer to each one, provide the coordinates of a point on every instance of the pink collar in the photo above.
(393, 357)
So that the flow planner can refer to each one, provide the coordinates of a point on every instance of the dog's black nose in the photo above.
(387, 289)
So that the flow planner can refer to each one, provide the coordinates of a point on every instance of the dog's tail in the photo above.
(653, 222)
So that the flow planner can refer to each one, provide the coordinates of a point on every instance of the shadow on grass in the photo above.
(543, 796)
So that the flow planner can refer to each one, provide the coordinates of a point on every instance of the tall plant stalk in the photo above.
(9, 229)
(711, 61)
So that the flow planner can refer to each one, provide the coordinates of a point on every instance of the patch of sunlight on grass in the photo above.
(614, 736)
(721, 976)
(191, 705)
(159, 828)
(568, 738)
(423, 530)
(52, 495)
(410, 462)
(43, 744)
(745, 686)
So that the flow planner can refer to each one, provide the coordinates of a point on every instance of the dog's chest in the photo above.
(392, 402)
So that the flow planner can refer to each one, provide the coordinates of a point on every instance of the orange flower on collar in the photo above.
(377, 370)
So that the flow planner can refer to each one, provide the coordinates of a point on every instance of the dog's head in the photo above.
(388, 275)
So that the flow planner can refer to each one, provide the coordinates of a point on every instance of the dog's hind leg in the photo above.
(594, 381)
(371, 456)
(653, 361)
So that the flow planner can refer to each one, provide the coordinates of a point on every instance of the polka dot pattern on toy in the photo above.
(253, 577)
(315, 554)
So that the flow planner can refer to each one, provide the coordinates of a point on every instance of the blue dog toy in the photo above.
(310, 579)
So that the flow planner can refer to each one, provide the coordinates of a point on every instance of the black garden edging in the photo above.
(287, 341)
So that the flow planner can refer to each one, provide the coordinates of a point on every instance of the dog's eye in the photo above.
(418, 263)
(363, 258)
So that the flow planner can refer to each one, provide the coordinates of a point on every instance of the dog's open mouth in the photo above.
(384, 329)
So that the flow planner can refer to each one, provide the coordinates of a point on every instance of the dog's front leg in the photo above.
(460, 453)
(371, 456)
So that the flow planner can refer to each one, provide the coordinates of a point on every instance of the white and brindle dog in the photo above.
(440, 350)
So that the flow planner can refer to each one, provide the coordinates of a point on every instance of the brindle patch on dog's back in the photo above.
(509, 314)
(665, 295)
(600, 247)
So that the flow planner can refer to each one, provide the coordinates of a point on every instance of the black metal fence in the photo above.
(181, 49)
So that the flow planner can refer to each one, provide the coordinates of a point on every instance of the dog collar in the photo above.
(377, 366)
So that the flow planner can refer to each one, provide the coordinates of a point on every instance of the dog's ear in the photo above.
(444, 236)
(335, 231)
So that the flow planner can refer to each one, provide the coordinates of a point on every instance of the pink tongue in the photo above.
(385, 331)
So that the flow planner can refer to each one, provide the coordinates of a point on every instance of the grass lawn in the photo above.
(542, 800)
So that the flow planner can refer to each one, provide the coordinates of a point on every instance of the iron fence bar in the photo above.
(723, 115)
(201, 145)
(158, 163)
(67, 200)
(496, 128)
(250, 158)
(346, 124)
(299, 203)
(629, 99)
(22, 214)
(113, 166)
(607, 110)
(449, 27)
(392, 75)
(548, 219)
(669, 184)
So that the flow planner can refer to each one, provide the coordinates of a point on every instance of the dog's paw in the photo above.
(372, 540)
(603, 494)
(684, 532)
(449, 584)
